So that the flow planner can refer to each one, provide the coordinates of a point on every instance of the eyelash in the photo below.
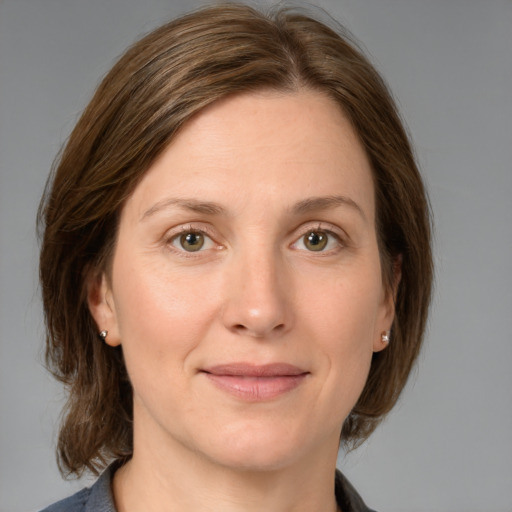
(185, 230)
(317, 228)
(331, 234)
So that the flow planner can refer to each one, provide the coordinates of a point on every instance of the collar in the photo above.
(101, 499)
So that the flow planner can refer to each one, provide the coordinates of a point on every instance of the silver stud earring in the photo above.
(103, 335)
(385, 336)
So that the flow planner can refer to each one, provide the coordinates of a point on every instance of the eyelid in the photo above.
(325, 227)
(177, 231)
(330, 229)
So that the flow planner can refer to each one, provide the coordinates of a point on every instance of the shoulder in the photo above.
(74, 503)
(347, 497)
(97, 498)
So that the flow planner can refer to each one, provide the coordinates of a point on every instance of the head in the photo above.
(147, 101)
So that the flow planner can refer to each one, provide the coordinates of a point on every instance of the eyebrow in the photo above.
(193, 205)
(312, 204)
(307, 205)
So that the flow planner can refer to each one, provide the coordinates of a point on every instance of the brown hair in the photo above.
(159, 84)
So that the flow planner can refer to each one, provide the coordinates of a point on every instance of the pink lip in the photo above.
(256, 382)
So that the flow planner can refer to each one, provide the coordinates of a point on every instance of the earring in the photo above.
(385, 336)
(103, 335)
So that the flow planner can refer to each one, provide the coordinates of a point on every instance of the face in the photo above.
(246, 287)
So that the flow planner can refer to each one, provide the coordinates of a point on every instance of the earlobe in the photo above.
(384, 337)
(102, 308)
(383, 342)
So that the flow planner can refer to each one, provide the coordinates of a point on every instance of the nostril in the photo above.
(241, 328)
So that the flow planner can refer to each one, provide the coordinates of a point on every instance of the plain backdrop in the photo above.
(447, 446)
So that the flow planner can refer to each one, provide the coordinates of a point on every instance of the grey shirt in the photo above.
(99, 498)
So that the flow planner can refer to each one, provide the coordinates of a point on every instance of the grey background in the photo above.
(447, 446)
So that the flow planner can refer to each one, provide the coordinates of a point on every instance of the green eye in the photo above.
(316, 240)
(191, 242)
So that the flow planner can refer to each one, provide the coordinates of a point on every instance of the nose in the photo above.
(258, 296)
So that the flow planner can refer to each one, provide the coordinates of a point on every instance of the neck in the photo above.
(167, 476)
(152, 491)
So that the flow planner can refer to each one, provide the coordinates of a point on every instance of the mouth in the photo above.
(256, 382)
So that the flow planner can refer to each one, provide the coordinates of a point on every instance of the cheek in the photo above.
(162, 315)
(151, 295)
(343, 317)
(346, 306)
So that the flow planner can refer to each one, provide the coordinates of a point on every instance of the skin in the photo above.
(255, 293)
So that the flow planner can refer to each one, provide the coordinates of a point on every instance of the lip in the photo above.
(256, 383)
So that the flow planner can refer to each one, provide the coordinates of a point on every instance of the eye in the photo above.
(317, 240)
(192, 241)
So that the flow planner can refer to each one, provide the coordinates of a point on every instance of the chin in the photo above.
(255, 460)
(255, 450)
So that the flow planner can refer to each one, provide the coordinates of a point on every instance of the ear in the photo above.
(387, 308)
(101, 305)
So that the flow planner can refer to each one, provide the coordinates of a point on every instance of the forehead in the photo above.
(272, 147)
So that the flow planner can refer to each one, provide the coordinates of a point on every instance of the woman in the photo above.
(236, 268)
